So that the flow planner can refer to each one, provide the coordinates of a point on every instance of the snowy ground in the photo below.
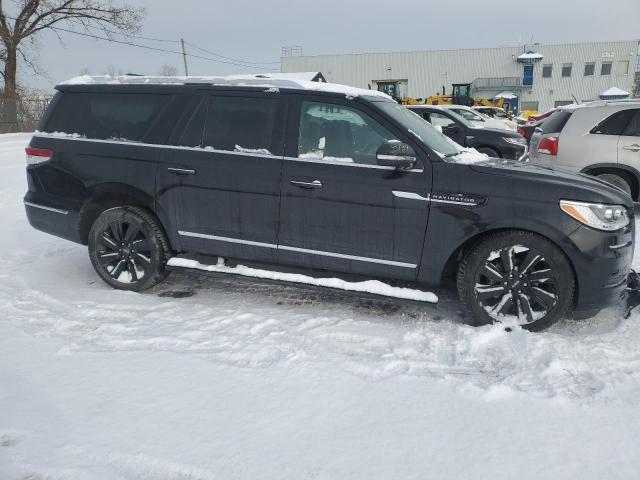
(233, 382)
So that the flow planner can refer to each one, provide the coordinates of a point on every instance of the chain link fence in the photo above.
(21, 114)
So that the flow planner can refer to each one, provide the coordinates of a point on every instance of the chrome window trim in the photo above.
(349, 164)
(44, 207)
(296, 249)
(156, 145)
(226, 152)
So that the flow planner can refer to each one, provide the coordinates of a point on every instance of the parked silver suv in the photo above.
(600, 138)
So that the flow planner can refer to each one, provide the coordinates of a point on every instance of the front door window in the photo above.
(339, 133)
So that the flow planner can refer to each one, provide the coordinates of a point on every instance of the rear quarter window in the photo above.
(555, 122)
(106, 116)
(614, 124)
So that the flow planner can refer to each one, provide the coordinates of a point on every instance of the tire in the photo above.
(128, 248)
(534, 298)
(616, 181)
(489, 151)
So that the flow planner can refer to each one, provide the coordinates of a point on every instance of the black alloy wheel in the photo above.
(128, 248)
(517, 278)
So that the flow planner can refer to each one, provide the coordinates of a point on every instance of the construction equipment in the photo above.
(460, 95)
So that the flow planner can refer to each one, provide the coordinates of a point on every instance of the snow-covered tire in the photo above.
(517, 277)
(616, 181)
(128, 248)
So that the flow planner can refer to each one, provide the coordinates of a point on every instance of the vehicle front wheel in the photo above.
(517, 277)
(128, 248)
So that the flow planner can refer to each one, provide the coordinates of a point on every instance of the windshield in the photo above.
(420, 128)
(468, 114)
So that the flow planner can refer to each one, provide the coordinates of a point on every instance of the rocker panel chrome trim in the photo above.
(296, 249)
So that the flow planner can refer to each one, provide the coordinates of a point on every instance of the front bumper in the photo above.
(602, 262)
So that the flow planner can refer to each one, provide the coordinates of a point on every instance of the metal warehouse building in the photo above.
(541, 76)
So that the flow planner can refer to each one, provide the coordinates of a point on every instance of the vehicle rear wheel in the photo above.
(128, 248)
(616, 181)
(489, 151)
(519, 278)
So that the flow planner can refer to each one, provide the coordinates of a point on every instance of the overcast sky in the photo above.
(255, 31)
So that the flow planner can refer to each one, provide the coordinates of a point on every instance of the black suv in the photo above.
(317, 177)
(490, 141)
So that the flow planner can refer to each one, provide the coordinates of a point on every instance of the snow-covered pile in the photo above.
(374, 287)
(204, 379)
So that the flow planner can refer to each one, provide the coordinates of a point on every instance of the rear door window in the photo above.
(106, 116)
(240, 124)
(615, 124)
(555, 122)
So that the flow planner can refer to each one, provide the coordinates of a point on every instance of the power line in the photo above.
(180, 42)
(229, 58)
(157, 49)
(223, 59)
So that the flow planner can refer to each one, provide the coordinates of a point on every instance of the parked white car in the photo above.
(498, 113)
(478, 119)
(601, 138)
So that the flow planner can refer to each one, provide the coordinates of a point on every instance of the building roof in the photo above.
(614, 92)
(530, 56)
(506, 95)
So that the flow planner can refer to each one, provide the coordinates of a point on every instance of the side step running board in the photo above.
(367, 289)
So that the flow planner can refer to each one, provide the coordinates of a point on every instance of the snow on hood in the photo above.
(468, 156)
(266, 80)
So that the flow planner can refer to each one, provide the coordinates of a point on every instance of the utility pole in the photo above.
(184, 57)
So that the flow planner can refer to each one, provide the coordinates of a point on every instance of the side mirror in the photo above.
(396, 154)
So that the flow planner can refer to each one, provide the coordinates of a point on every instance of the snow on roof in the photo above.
(530, 56)
(614, 92)
(267, 80)
(573, 106)
(310, 76)
(506, 95)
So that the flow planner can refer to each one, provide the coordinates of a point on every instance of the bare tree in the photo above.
(112, 71)
(34, 16)
(168, 70)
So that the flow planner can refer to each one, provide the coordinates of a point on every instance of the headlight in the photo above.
(597, 215)
(515, 140)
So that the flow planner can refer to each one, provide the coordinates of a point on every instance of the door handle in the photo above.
(182, 171)
(307, 185)
(634, 148)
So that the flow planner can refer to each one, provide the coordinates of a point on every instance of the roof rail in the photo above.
(277, 81)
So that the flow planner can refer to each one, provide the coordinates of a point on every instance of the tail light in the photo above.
(522, 132)
(548, 145)
(37, 155)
